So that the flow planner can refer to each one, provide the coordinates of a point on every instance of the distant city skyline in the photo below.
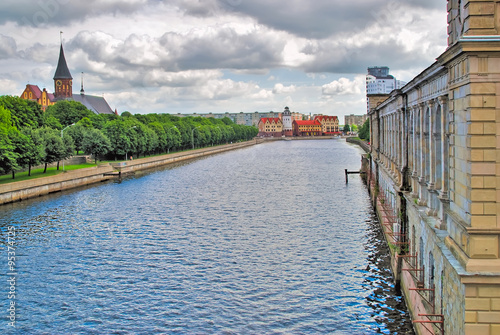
(220, 56)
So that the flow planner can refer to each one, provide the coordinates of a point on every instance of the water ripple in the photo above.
(264, 240)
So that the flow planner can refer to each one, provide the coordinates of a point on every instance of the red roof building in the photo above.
(34, 93)
(329, 124)
(63, 84)
(307, 128)
(270, 127)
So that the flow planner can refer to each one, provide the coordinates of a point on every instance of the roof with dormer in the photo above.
(325, 117)
(62, 70)
(35, 90)
(270, 120)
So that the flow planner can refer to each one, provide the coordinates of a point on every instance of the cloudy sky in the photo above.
(186, 56)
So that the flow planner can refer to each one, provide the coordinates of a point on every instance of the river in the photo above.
(263, 240)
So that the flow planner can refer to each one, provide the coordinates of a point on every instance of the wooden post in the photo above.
(346, 176)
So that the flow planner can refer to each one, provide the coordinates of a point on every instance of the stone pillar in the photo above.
(432, 158)
(445, 177)
(414, 153)
(422, 190)
(421, 172)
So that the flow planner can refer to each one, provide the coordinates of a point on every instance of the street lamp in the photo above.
(126, 151)
(192, 135)
(62, 131)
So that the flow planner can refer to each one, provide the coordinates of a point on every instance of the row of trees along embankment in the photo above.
(30, 137)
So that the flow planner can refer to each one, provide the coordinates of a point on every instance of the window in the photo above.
(421, 261)
(431, 270)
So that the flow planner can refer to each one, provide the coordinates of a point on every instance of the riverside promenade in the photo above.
(21, 190)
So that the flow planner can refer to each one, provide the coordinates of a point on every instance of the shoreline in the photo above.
(27, 189)
(22, 190)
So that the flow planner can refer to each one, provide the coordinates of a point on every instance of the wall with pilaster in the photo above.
(436, 145)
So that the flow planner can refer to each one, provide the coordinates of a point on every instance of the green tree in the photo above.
(185, 134)
(347, 129)
(174, 138)
(68, 112)
(55, 150)
(161, 134)
(22, 144)
(24, 113)
(51, 122)
(364, 131)
(115, 131)
(99, 120)
(95, 143)
(33, 151)
(77, 132)
(8, 156)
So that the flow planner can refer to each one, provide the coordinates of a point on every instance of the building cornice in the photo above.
(481, 44)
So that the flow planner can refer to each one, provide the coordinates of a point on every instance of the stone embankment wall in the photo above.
(21, 190)
(152, 162)
(359, 142)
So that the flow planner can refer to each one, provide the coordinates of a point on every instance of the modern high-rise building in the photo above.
(380, 82)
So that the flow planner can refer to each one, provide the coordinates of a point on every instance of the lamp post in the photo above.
(62, 131)
(126, 151)
(192, 135)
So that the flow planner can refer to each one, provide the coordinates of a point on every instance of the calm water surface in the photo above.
(263, 240)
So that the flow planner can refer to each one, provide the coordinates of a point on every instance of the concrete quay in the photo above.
(21, 190)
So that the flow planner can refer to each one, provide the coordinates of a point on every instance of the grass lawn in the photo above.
(37, 173)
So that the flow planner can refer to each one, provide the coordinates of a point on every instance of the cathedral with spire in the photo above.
(63, 90)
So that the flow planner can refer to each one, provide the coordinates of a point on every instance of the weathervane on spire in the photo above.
(82, 92)
(60, 35)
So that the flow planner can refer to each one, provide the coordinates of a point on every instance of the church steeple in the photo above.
(62, 78)
(82, 91)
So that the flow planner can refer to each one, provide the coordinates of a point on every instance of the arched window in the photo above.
(413, 246)
(421, 261)
(431, 270)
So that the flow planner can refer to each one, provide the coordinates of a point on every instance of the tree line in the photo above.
(363, 131)
(30, 137)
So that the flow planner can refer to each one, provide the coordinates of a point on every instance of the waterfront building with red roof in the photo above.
(329, 124)
(270, 127)
(307, 128)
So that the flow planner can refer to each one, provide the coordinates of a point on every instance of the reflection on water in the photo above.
(263, 240)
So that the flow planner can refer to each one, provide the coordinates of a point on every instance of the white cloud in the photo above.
(220, 55)
(281, 89)
(343, 86)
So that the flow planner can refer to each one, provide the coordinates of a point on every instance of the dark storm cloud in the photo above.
(311, 19)
(339, 58)
(8, 47)
(62, 12)
(324, 18)
(224, 48)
